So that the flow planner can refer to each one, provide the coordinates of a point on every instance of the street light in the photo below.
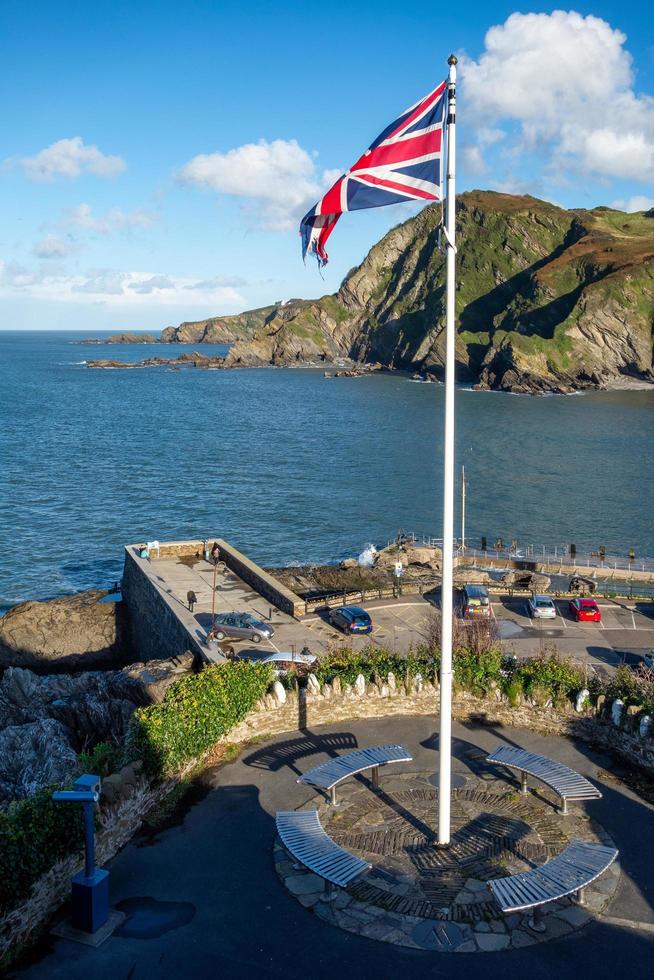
(215, 558)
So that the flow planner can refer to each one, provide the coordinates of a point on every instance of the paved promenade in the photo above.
(204, 900)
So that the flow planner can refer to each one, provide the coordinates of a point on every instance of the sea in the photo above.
(290, 466)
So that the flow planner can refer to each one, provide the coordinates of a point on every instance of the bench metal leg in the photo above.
(564, 806)
(581, 896)
(523, 782)
(535, 920)
(375, 777)
(332, 796)
(329, 894)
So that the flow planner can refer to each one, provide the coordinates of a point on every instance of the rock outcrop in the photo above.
(46, 721)
(71, 633)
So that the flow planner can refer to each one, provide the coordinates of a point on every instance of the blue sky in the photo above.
(156, 156)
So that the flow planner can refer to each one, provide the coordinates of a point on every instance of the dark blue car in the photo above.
(351, 619)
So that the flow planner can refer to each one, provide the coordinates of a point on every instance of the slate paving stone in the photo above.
(423, 898)
(305, 884)
(575, 915)
(520, 938)
(491, 942)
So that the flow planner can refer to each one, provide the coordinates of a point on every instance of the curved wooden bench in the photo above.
(304, 836)
(570, 871)
(566, 783)
(329, 774)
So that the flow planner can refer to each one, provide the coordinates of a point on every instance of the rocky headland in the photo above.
(548, 301)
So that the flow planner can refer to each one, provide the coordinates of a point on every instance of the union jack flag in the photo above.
(404, 163)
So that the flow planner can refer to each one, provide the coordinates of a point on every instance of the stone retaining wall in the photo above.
(264, 583)
(287, 711)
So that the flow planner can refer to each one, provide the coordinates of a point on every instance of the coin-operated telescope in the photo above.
(90, 887)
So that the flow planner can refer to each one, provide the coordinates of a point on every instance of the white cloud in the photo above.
(152, 284)
(113, 287)
(280, 176)
(218, 282)
(113, 220)
(105, 282)
(53, 247)
(70, 158)
(637, 203)
(566, 82)
(472, 161)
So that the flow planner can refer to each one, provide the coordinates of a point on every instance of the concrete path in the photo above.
(203, 900)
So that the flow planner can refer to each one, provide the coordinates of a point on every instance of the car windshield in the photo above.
(588, 604)
(362, 620)
(544, 603)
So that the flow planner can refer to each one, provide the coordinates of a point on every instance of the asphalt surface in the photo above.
(203, 898)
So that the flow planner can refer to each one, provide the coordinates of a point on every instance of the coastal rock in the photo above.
(32, 756)
(522, 579)
(71, 633)
(62, 714)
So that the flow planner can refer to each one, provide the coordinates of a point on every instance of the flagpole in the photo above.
(445, 739)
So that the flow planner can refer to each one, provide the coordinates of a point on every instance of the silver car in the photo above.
(541, 607)
(242, 626)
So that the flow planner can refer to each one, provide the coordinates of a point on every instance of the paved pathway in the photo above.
(204, 900)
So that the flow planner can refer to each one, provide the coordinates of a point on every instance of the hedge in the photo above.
(35, 833)
(195, 713)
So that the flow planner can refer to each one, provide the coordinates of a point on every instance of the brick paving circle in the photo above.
(420, 896)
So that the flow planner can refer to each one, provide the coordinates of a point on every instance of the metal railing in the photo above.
(558, 554)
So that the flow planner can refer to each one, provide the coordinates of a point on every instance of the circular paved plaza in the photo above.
(203, 898)
(420, 896)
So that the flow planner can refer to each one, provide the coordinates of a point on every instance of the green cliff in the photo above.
(547, 300)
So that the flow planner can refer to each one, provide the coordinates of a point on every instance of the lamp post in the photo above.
(215, 558)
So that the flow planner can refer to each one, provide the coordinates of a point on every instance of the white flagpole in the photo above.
(445, 739)
(463, 507)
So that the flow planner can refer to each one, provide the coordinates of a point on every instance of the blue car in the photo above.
(351, 619)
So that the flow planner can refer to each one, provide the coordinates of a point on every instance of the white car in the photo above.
(281, 662)
(541, 607)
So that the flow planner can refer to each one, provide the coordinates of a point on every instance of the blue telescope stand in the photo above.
(90, 887)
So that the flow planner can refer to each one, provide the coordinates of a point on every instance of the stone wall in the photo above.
(287, 711)
(266, 585)
(159, 625)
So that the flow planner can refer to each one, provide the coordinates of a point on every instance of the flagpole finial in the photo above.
(452, 60)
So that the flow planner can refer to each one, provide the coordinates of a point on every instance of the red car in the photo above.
(585, 610)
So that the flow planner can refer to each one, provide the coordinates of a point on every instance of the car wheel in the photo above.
(220, 634)
(256, 638)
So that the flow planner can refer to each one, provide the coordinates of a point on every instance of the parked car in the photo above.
(242, 626)
(351, 619)
(282, 662)
(648, 660)
(541, 607)
(475, 601)
(585, 610)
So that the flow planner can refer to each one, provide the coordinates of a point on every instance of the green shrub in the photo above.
(101, 760)
(561, 679)
(477, 672)
(195, 713)
(34, 834)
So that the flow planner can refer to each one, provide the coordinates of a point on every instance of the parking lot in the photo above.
(625, 633)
